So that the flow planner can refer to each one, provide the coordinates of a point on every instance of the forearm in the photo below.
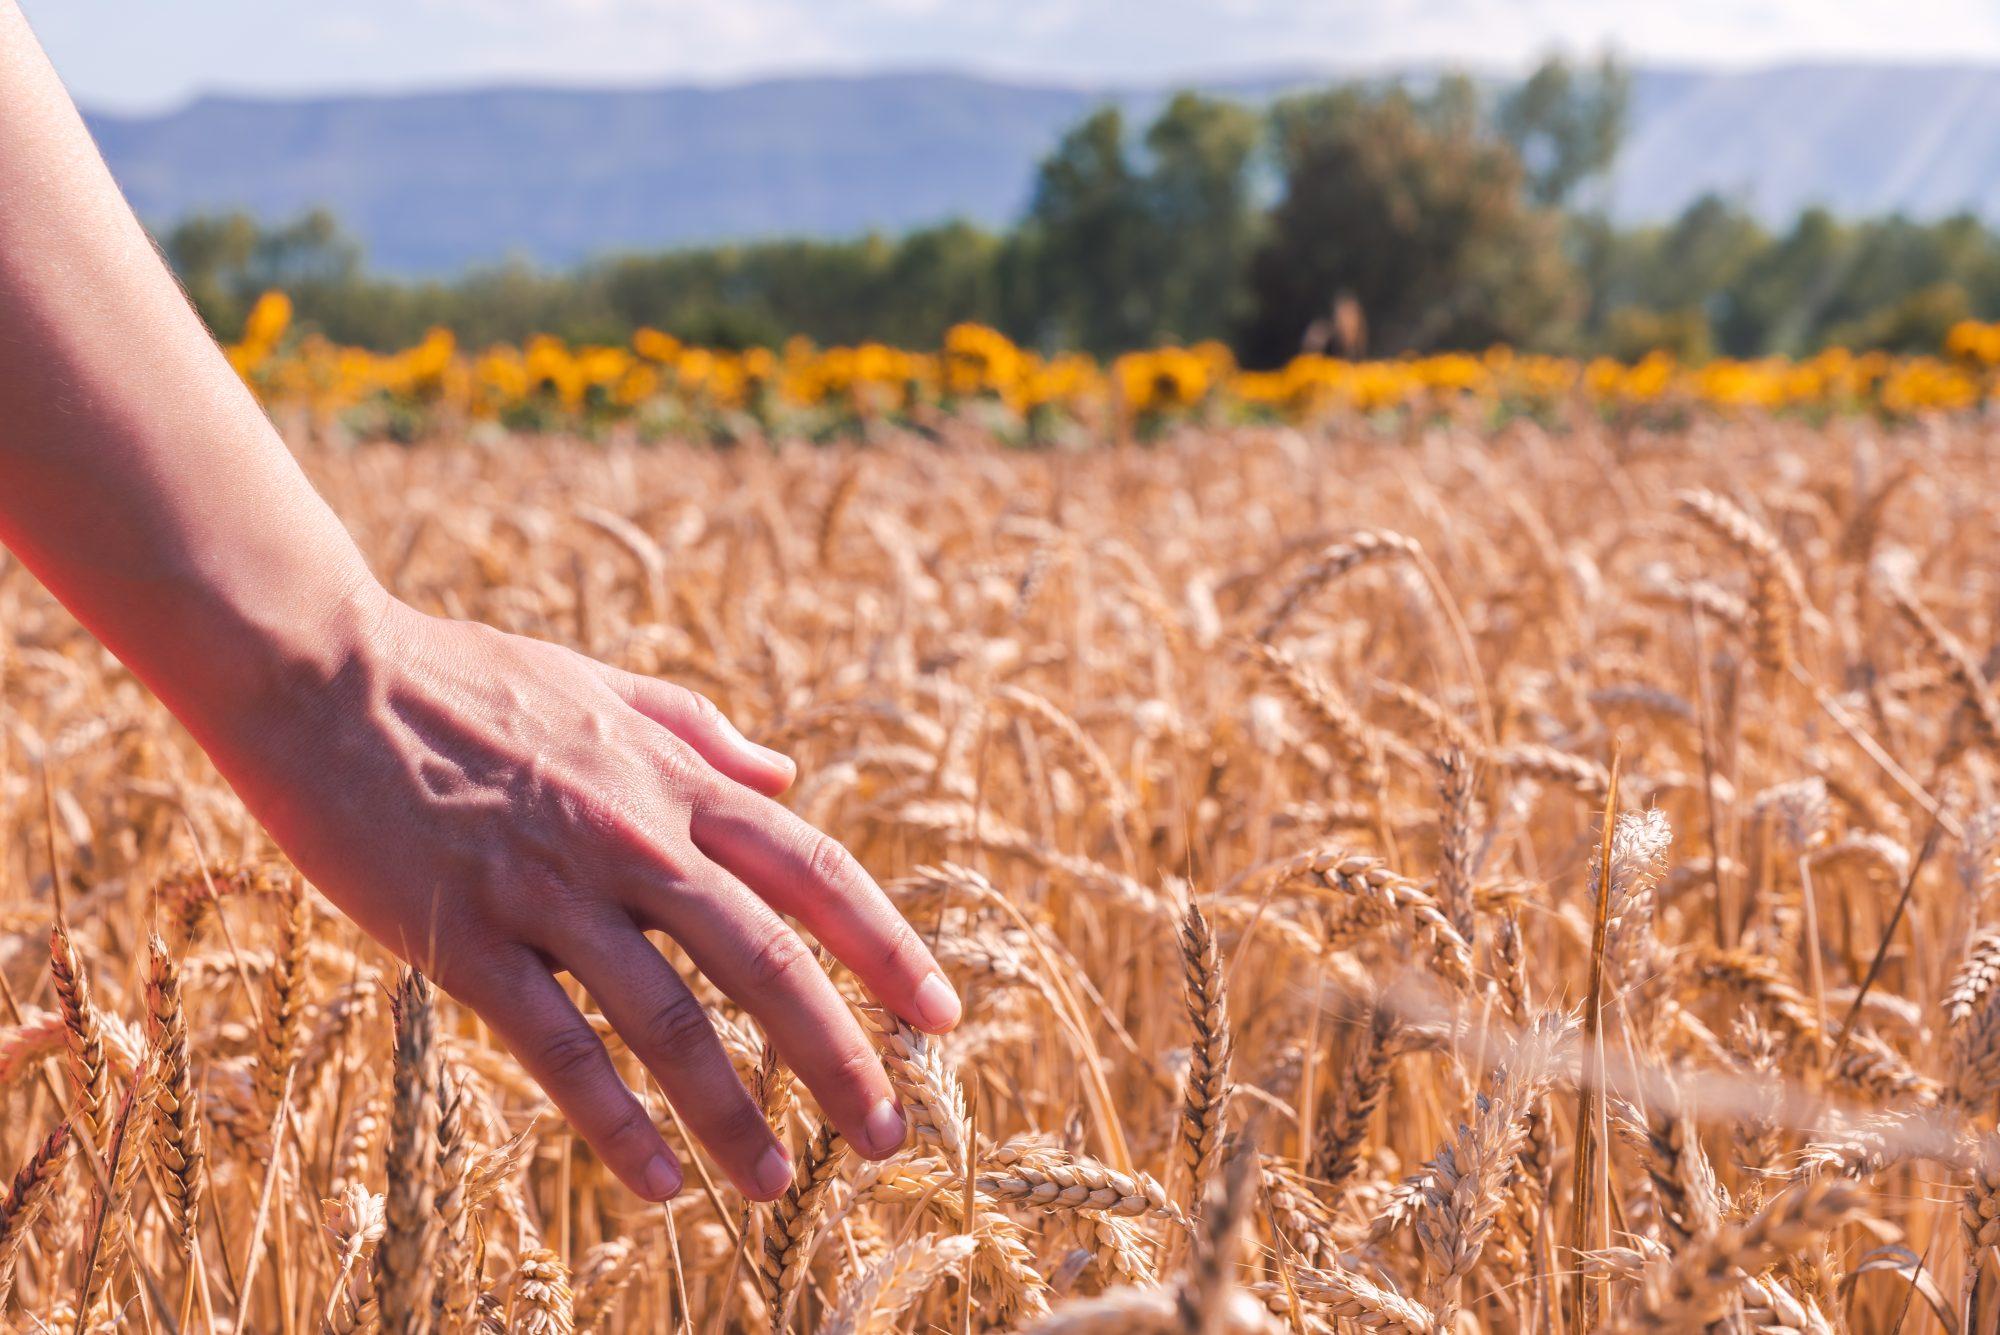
(138, 478)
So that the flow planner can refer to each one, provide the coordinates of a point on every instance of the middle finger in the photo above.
(666, 1029)
(752, 955)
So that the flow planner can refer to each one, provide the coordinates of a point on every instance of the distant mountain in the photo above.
(433, 182)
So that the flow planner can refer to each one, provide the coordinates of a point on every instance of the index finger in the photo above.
(803, 872)
(542, 1027)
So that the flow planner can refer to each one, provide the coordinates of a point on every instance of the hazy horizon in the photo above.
(1221, 76)
(131, 56)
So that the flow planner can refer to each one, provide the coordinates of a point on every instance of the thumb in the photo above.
(695, 719)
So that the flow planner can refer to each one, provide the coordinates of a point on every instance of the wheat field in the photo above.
(1258, 790)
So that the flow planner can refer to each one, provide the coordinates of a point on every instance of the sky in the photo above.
(148, 54)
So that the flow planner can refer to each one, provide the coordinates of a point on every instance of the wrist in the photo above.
(274, 652)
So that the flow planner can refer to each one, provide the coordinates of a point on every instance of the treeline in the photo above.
(1368, 218)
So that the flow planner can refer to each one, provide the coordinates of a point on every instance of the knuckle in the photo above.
(778, 959)
(569, 1053)
(678, 869)
(557, 907)
(678, 765)
(855, 1067)
(741, 1124)
(705, 710)
(631, 1127)
(828, 860)
(675, 1026)
(628, 687)
(903, 952)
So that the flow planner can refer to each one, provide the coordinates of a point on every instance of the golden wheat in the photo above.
(1273, 800)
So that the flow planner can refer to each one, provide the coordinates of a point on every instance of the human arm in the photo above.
(492, 807)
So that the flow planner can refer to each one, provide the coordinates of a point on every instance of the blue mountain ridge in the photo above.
(434, 182)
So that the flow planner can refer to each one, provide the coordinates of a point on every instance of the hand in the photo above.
(494, 808)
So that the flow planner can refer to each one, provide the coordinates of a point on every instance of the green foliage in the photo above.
(1411, 209)
(1916, 323)
(1120, 253)
(1085, 238)
(905, 292)
(1371, 216)
(1876, 283)
(1199, 194)
(1633, 331)
(225, 261)
(1565, 125)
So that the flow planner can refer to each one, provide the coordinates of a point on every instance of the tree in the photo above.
(1917, 322)
(226, 260)
(1566, 124)
(1781, 298)
(1125, 250)
(1414, 213)
(1088, 240)
(1200, 207)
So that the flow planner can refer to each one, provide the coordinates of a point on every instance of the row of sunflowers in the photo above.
(661, 381)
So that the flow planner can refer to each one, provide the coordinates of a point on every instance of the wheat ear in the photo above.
(89, 1078)
(932, 1096)
(1351, 1296)
(794, 1222)
(1363, 548)
(1205, 1101)
(1468, 1180)
(1361, 746)
(456, 1292)
(1976, 693)
(284, 1000)
(1051, 1179)
(1703, 1277)
(33, 1187)
(608, 1269)
(1004, 1265)
(1339, 874)
(405, 1274)
(543, 1301)
(178, 1139)
(1337, 1155)
(1778, 591)
(896, 1283)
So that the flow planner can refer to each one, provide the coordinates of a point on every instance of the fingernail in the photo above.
(775, 758)
(937, 1005)
(773, 1175)
(882, 1132)
(663, 1180)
